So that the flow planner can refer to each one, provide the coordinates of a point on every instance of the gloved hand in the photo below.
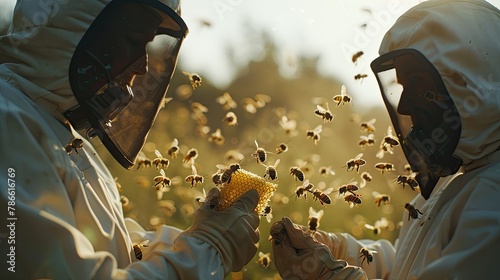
(232, 232)
(298, 255)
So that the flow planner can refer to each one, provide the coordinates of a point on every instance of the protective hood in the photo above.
(36, 54)
(461, 40)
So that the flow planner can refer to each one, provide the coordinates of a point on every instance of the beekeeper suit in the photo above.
(438, 74)
(71, 70)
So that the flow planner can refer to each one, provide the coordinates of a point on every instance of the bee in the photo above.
(349, 187)
(323, 113)
(384, 166)
(326, 171)
(297, 172)
(281, 148)
(75, 144)
(124, 200)
(226, 101)
(342, 98)
(315, 134)
(201, 198)
(412, 211)
(390, 139)
(289, 126)
(377, 227)
(198, 108)
(143, 161)
(227, 171)
(261, 100)
(138, 248)
(160, 162)
(217, 178)
(173, 150)
(407, 179)
(194, 79)
(360, 76)
(191, 155)
(314, 219)
(271, 170)
(230, 119)
(249, 105)
(368, 126)
(355, 163)
(366, 140)
(194, 178)
(303, 189)
(366, 254)
(267, 212)
(217, 137)
(356, 56)
(352, 199)
(213, 201)
(264, 259)
(322, 196)
(365, 177)
(381, 198)
(161, 181)
(260, 154)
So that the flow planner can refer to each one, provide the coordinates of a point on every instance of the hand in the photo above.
(233, 231)
(300, 256)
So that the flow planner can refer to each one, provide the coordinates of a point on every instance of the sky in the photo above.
(332, 30)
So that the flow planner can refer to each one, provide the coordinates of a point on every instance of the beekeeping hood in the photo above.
(441, 57)
(72, 58)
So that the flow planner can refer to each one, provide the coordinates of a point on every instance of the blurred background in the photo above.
(277, 60)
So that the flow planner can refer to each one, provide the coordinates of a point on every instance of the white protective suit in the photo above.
(69, 223)
(458, 235)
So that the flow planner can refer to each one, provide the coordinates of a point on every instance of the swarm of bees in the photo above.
(75, 144)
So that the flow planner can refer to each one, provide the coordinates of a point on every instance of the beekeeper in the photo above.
(72, 70)
(439, 78)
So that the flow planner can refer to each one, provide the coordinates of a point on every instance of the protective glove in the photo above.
(233, 232)
(298, 255)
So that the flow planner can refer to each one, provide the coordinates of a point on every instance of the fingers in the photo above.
(247, 202)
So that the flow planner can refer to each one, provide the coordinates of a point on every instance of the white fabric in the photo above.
(458, 237)
(70, 223)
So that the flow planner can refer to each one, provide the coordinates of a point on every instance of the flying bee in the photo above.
(281, 148)
(326, 171)
(261, 100)
(227, 171)
(356, 56)
(385, 167)
(322, 196)
(260, 154)
(162, 181)
(264, 259)
(191, 155)
(315, 134)
(366, 254)
(230, 119)
(297, 172)
(75, 144)
(368, 126)
(377, 227)
(301, 191)
(366, 140)
(342, 98)
(407, 179)
(349, 187)
(217, 137)
(323, 113)
(314, 219)
(160, 162)
(138, 248)
(271, 170)
(226, 101)
(365, 177)
(390, 139)
(412, 211)
(289, 126)
(143, 161)
(124, 200)
(249, 105)
(267, 212)
(194, 79)
(173, 150)
(352, 199)
(360, 76)
(355, 163)
(194, 178)
(381, 198)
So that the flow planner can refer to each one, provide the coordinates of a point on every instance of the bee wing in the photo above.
(162, 172)
(372, 121)
(368, 226)
(193, 169)
(276, 163)
(261, 255)
(256, 144)
(221, 166)
(175, 142)
(389, 131)
(145, 243)
(320, 108)
(328, 191)
(318, 129)
(306, 182)
(359, 156)
(382, 223)
(158, 154)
